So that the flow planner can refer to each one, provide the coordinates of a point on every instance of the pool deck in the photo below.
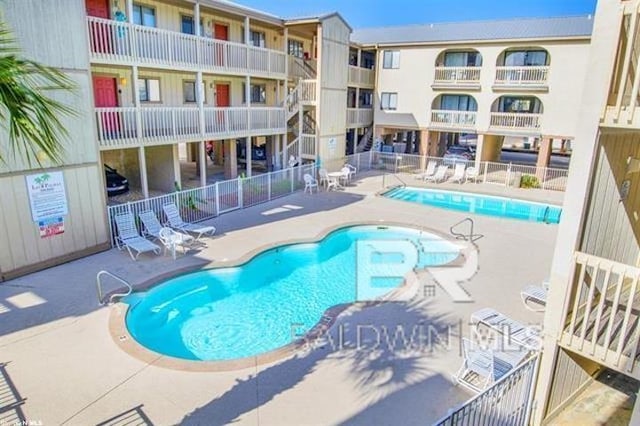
(60, 365)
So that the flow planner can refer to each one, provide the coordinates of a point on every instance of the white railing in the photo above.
(359, 76)
(292, 150)
(265, 120)
(522, 76)
(601, 312)
(454, 119)
(169, 124)
(292, 102)
(457, 75)
(508, 402)
(113, 41)
(302, 68)
(116, 127)
(307, 91)
(359, 117)
(515, 120)
(308, 147)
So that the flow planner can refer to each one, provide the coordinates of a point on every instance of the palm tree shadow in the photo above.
(384, 346)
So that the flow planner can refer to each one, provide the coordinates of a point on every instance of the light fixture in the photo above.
(633, 165)
(123, 81)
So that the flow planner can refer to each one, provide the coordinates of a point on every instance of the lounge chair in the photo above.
(129, 238)
(431, 169)
(481, 367)
(516, 332)
(152, 227)
(310, 183)
(471, 174)
(175, 221)
(458, 173)
(439, 176)
(534, 297)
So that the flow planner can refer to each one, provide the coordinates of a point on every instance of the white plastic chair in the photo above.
(310, 183)
(346, 173)
(152, 226)
(458, 173)
(352, 170)
(471, 174)
(172, 240)
(324, 178)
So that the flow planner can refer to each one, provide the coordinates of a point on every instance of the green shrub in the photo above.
(529, 181)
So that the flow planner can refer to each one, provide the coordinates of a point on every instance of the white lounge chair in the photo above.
(458, 173)
(481, 367)
(471, 174)
(516, 332)
(176, 222)
(439, 176)
(152, 227)
(429, 171)
(310, 183)
(534, 297)
(172, 240)
(129, 238)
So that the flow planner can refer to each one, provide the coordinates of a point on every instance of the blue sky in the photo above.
(376, 13)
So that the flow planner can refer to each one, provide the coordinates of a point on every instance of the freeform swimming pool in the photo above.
(235, 312)
(478, 203)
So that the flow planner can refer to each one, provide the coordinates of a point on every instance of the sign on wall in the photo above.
(48, 201)
(333, 144)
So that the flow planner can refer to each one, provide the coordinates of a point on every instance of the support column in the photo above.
(276, 151)
(248, 156)
(423, 148)
(177, 173)
(142, 163)
(544, 153)
(479, 150)
(230, 159)
(269, 149)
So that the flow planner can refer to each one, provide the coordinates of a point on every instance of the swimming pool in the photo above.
(478, 203)
(235, 312)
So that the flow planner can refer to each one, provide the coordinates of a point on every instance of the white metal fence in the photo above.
(221, 197)
(508, 402)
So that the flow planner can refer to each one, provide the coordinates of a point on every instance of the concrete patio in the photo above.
(61, 365)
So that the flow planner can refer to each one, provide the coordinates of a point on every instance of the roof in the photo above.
(316, 18)
(521, 28)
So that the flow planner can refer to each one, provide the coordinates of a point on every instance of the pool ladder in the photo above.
(470, 236)
(103, 273)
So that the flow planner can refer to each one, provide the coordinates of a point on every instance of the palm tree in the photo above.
(30, 116)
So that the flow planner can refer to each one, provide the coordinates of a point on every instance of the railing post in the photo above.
(269, 186)
(544, 177)
(240, 195)
(508, 176)
(292, 180)
(484, 179)
(217, 198)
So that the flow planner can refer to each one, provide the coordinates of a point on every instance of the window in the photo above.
(458, 103)
(391, 59)
(187, 26)
(525, 58)
(522, 104)
(366, 99)
(144, 15)
(389, 101)
(149, 90)
(256, 38)
(295, 48)
(368, 60)
(189, 92)
(257, 92)
(462, 59)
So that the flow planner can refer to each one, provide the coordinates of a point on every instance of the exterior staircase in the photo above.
(366, 141)
(300, 106)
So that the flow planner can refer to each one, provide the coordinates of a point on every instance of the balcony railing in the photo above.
(359, 117)
(453, 119)
(457, 76)
(118, 128)
(515, 121)
(359, 76)
(121, 42)
(602, 312)
(522, 76)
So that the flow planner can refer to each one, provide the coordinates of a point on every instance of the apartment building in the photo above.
(518, 78)
(592, 323)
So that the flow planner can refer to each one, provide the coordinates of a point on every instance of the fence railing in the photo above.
(221, 197)
(123, 42)
(522, 76)
(508, 402)
(454, 119)
(359, 76)
(308, 145)
(457, 75)
(359, 117)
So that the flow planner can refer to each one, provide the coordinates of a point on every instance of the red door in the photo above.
(223, 100)
(97, 8)
(220, 32)
(101, 34)
(105, 93)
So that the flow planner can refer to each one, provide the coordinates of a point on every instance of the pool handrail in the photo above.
(471, 236)
(114, 295)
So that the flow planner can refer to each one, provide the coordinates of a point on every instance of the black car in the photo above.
(459, 154)
(116, 183)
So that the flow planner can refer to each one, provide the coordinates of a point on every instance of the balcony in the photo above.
(516, 121)
(602, 319)
(453, 120)
(361, 77)
(117, 127)
(359, 117)
(123, 43)
(532, 77)
(457, 77)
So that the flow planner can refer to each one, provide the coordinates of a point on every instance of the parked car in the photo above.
(116, 183)
(459, 154)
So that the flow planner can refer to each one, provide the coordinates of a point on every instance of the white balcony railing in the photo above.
(359, 117)
(453, 119)
(308, 147)
(121, 42)
(307, 91)
(457, 75)
(117, 127)
(515, 121)
(359, 76)
(522, 76)
(601, 312)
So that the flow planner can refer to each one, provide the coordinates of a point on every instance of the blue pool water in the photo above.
(228, 313)
(481, 204)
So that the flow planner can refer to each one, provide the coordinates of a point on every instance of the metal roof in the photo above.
(507, 29)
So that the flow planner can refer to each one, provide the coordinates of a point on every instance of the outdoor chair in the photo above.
(175, 221)
(310, 183)
(534, 297)
(458, 173)
(439, 176)
(129, 238)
